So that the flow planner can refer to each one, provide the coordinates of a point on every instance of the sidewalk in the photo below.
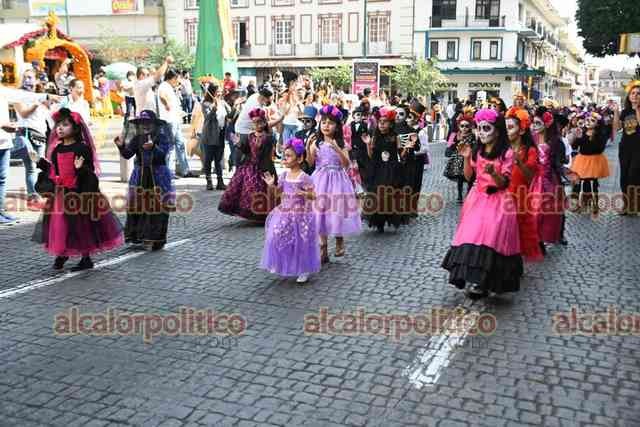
(104, 131)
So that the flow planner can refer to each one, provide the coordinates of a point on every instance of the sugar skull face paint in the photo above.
(591, 123)
(357, 117)
(486, 132)
(537, 126)
(401, 115)
(513, 129)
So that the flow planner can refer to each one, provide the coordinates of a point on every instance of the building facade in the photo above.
(611, 85)
(293, 35)
(492, 47)
(88, 27)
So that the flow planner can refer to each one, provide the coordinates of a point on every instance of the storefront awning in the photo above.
(528, 72)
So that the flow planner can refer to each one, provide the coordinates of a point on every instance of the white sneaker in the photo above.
(303, 278)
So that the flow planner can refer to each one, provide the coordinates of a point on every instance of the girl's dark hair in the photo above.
(377, 135)
(212, 88)
(170, 74)
(130, 73)
(339, 136)
(554, 139)
(64, 114)
(500, 148)
(627, 101)
(73, 83)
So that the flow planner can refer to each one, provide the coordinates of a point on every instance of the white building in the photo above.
(291, 35)
(571, 79)
(498, 47)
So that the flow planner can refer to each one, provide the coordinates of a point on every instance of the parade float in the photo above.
(23, 43)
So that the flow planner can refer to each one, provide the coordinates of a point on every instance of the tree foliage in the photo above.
(113, 48)
(602, 22)
(417, 78)
(340, 77)
(184, 58)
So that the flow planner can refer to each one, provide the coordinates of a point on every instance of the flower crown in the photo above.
(332, 112)
(257, 113)
(386, 113)
(547, 118)
(64, 113)
(595, 115)
(297, 145)
(631, 85)
(486, 115)
(520, 115)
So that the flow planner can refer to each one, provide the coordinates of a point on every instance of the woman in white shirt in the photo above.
(75, 100)
(291, 108)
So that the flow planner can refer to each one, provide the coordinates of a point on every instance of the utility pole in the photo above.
(366, 38)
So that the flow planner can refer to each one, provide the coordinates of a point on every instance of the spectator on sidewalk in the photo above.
(171, 112)
(186, 92)
(143, 87)
(129, 95)
(8, 95)
(228, 84)
(75, 100)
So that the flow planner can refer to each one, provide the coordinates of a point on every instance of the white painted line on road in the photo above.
(436, 356)
(41, 283)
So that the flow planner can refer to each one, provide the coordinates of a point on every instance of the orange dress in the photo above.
(527, 225)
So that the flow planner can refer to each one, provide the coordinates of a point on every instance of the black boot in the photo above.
(58, 264)
(84, 264)
(220, 185)
(209, 183)
(543, 248)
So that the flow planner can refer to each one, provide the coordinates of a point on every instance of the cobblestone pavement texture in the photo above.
(274, 374)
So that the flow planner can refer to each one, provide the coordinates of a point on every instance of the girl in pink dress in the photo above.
(486, 248)
(77, 219)
(548, 198)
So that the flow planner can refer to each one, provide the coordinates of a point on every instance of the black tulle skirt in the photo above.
(484, 266)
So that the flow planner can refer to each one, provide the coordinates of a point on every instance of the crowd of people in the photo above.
(315, 163)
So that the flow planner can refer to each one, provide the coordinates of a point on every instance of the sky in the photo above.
(568, 8)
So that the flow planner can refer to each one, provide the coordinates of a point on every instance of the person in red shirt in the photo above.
(228, 84)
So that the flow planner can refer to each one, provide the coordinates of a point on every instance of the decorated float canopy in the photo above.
(22, 44)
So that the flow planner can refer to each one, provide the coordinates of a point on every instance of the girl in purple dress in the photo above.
(291, 243)
(77, 219)
(246, 195)
(336, 207)
(486, 248)
(547, 191)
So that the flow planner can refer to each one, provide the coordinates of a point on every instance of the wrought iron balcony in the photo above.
(282, 49)
(467, 21)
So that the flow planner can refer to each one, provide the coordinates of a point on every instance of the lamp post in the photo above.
(366, 38)
(66, 17)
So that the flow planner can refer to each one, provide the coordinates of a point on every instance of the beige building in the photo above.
(291, 35)
(87, 23)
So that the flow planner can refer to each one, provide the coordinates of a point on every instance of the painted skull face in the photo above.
(630, 125)
(357, 117)
(580, 123)
(412, 120)
(537, 126)
(401, 115)
(513, 129)
(591, 123)
(486, 132)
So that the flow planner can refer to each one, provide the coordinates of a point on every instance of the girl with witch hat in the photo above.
(151, 191)
(486, 248)
(337, 212)
(77, 220)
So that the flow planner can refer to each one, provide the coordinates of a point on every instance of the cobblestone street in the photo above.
(275, 374)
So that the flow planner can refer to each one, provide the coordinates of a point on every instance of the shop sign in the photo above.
(484, 85)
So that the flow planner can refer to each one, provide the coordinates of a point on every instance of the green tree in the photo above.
(602, 22)
(340, 77)
(417, 78)
(112, 48)
(184, 58)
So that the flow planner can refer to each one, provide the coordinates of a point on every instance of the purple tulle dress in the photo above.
(291, 245)
(336, 207)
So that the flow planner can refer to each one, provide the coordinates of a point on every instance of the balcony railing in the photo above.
(282, 50)
(467, 21)
(329, 49)
(243, 50)
(379, 48)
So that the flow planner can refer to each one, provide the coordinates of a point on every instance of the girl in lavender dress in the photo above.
(291, 243)
(485, 251)
(336, 207)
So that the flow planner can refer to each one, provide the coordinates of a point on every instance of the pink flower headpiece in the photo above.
(332, 112)
(386, 113)
(257, 113)
(297, 145)
(486, 115)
